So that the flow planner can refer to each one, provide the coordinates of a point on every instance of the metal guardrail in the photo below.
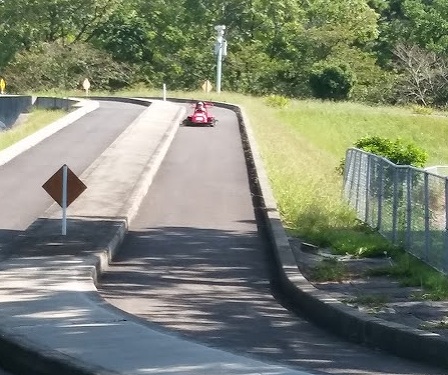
(406, 205)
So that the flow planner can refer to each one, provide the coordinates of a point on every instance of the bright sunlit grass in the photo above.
(34, 121)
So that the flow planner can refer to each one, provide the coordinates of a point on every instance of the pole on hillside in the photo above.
(220, 51)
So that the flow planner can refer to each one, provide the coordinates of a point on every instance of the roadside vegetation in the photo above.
(32, 122)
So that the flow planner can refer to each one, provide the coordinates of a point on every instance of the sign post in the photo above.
(164, 92)
(64, 187)
(64, 199)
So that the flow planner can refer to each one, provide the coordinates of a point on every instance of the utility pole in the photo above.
(220, 52)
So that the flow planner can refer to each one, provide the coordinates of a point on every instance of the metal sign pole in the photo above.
(219, 52)
(64, 199)
(64, 187)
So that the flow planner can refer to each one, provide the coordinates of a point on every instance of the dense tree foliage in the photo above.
(332, 82)
(274, 46)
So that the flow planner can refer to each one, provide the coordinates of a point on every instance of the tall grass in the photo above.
(303, 144)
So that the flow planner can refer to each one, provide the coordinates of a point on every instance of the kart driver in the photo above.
(200, 107)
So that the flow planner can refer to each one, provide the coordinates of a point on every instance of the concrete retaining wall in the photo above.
(53, 103)
(11, 106)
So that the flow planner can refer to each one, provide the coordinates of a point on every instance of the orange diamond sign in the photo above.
(75, 186)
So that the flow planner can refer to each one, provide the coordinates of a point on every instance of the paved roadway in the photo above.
(194, 262)
(22, 199)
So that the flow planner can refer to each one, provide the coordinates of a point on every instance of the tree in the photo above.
(55, 66)
(273, 44)
(125, 37)
(37, 21)
(424, 77)
(332, 82)
(328, 30)
(428, 23)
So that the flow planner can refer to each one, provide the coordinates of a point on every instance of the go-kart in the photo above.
(200, 116)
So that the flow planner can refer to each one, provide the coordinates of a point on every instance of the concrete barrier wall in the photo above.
(11, 106)
(53, 103)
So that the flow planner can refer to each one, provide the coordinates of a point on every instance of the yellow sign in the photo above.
(2, 85)
(207, 86)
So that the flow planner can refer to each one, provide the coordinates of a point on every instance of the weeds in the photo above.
(277, 101)
(421, 110)
(442, 324)
(410, 271)
(329, 269)
(370, 300)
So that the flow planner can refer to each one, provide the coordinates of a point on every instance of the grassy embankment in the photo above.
(36, 120)
(303, 143)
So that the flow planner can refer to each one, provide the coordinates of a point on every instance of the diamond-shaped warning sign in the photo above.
(75, 186)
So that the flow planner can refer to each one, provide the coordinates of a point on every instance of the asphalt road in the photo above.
(22, 198)
(195, 263)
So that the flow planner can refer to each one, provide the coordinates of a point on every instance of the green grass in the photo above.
(36, 120)
(329, 270)
(370, 300)
(412, 272)
(441, 324)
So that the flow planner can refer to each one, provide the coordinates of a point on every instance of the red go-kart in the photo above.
(200, 116)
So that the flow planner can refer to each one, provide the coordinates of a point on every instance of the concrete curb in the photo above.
(101, 262)
(24, 357)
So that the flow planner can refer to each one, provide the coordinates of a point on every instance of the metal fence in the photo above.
(407, 205)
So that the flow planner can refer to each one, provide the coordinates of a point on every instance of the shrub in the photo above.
(421, 110)
(398, 152)
(332, 82)
(277, 101)
(56, 66)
